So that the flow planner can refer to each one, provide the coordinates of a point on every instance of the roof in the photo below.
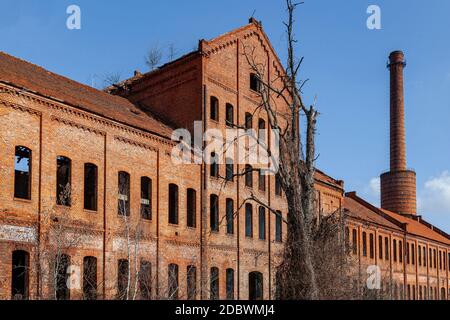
(418, 228)
(30, 77)
(356, 209)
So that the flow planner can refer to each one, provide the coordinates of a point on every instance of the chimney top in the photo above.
(397, 57)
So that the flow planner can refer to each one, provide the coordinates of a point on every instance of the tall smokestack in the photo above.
(398, 186)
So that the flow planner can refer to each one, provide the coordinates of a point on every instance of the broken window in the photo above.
(62, 264)
(229, 115)
(63, 181)
(214, 111)
(173, 204)
(214, 212)
(214, 283)
(123, 208)
(248, 121)
(230, 216)
(191, 208)
(262, 223)
(261, 180)
(230, 284)
(255, 286)
(145, 280)
(279, 227)
(90, 278)
(20, 275)
(173, 282)
(248, 220)
(90, 186)
(122, 279)
(22, 173)
(248, 176)
(146, 198)
(191, 282)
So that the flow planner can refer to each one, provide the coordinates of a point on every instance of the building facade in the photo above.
(91, 201)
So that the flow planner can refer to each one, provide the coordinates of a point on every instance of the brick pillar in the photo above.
(398, 186)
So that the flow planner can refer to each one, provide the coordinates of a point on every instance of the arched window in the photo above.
(380, 249)
(214, 166)
(230, 216)
(386, 248)
(173, 283)
(262, 223)
(255, 82)
(123, 207)
(372, 251)
(354, 242)
(90, 278)
(229, 115)
(230, 284)
(191, 208)
(419, 257)
(442, 293)
(248, 176)
(122, 278)
(229, 174)
(63, 181)
(248, 121)
(262, 130)
(146, 198)
(214, 284)
(22, 173)
(413, 254)
(90, 186)
(434, 259)
(173, 203)
(214, 212)
(430, 255)
(424, 256)
(20, 275)
(394, 248)
(145, 280)
(261, 180)
(248, 220)
(191, 279)
(278, 188)
(279, 227)
(214, 109)
(400, 251)
(62, 264)
(364, 240)
(255, 286)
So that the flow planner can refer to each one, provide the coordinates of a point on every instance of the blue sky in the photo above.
(345, 62)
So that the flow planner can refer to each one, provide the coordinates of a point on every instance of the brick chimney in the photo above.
(398, 186)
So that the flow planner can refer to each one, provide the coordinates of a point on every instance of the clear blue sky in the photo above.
(345, 61)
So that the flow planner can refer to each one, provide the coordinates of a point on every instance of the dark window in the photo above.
(173, 281)
(248, 220)
(354, 242)
(214, 166)
(424, 256)
(413, 254)
(364, 239)
(278, 227)
(440, 260)
(394, 248)
(248, 121)
(434, 259)
(372, 251)
(400, 251)
(146, 198)
(430, 255)
(62, 263)
(173, 204)
(407, 254)
(214, 212)
(20, 275)
(90, 278)
(278, 189)
(230, 216)
(262, 223)
(229, 174)
(214, 112)
(419, 257)
(145, 280)
(63, 181)
(124, 194)
(380, 249)
(386, 248)
(214, 284)
(229, 115)
(191, 282)
(230, 284)
(255, 82)
(122, 279)
(442, 293)
(22, 173)
(191, 208)
(90, 186)
(255, 286)
(248, 176)
(261, 180)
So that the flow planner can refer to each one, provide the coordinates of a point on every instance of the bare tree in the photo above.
(153, 57)
(111, 78)
(172, 52)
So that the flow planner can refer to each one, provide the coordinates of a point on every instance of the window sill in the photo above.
(173, 225)
(191, 228)
(28, 201)
(90, 211)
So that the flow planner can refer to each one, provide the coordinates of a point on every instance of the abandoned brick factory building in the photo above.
(127, 210)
